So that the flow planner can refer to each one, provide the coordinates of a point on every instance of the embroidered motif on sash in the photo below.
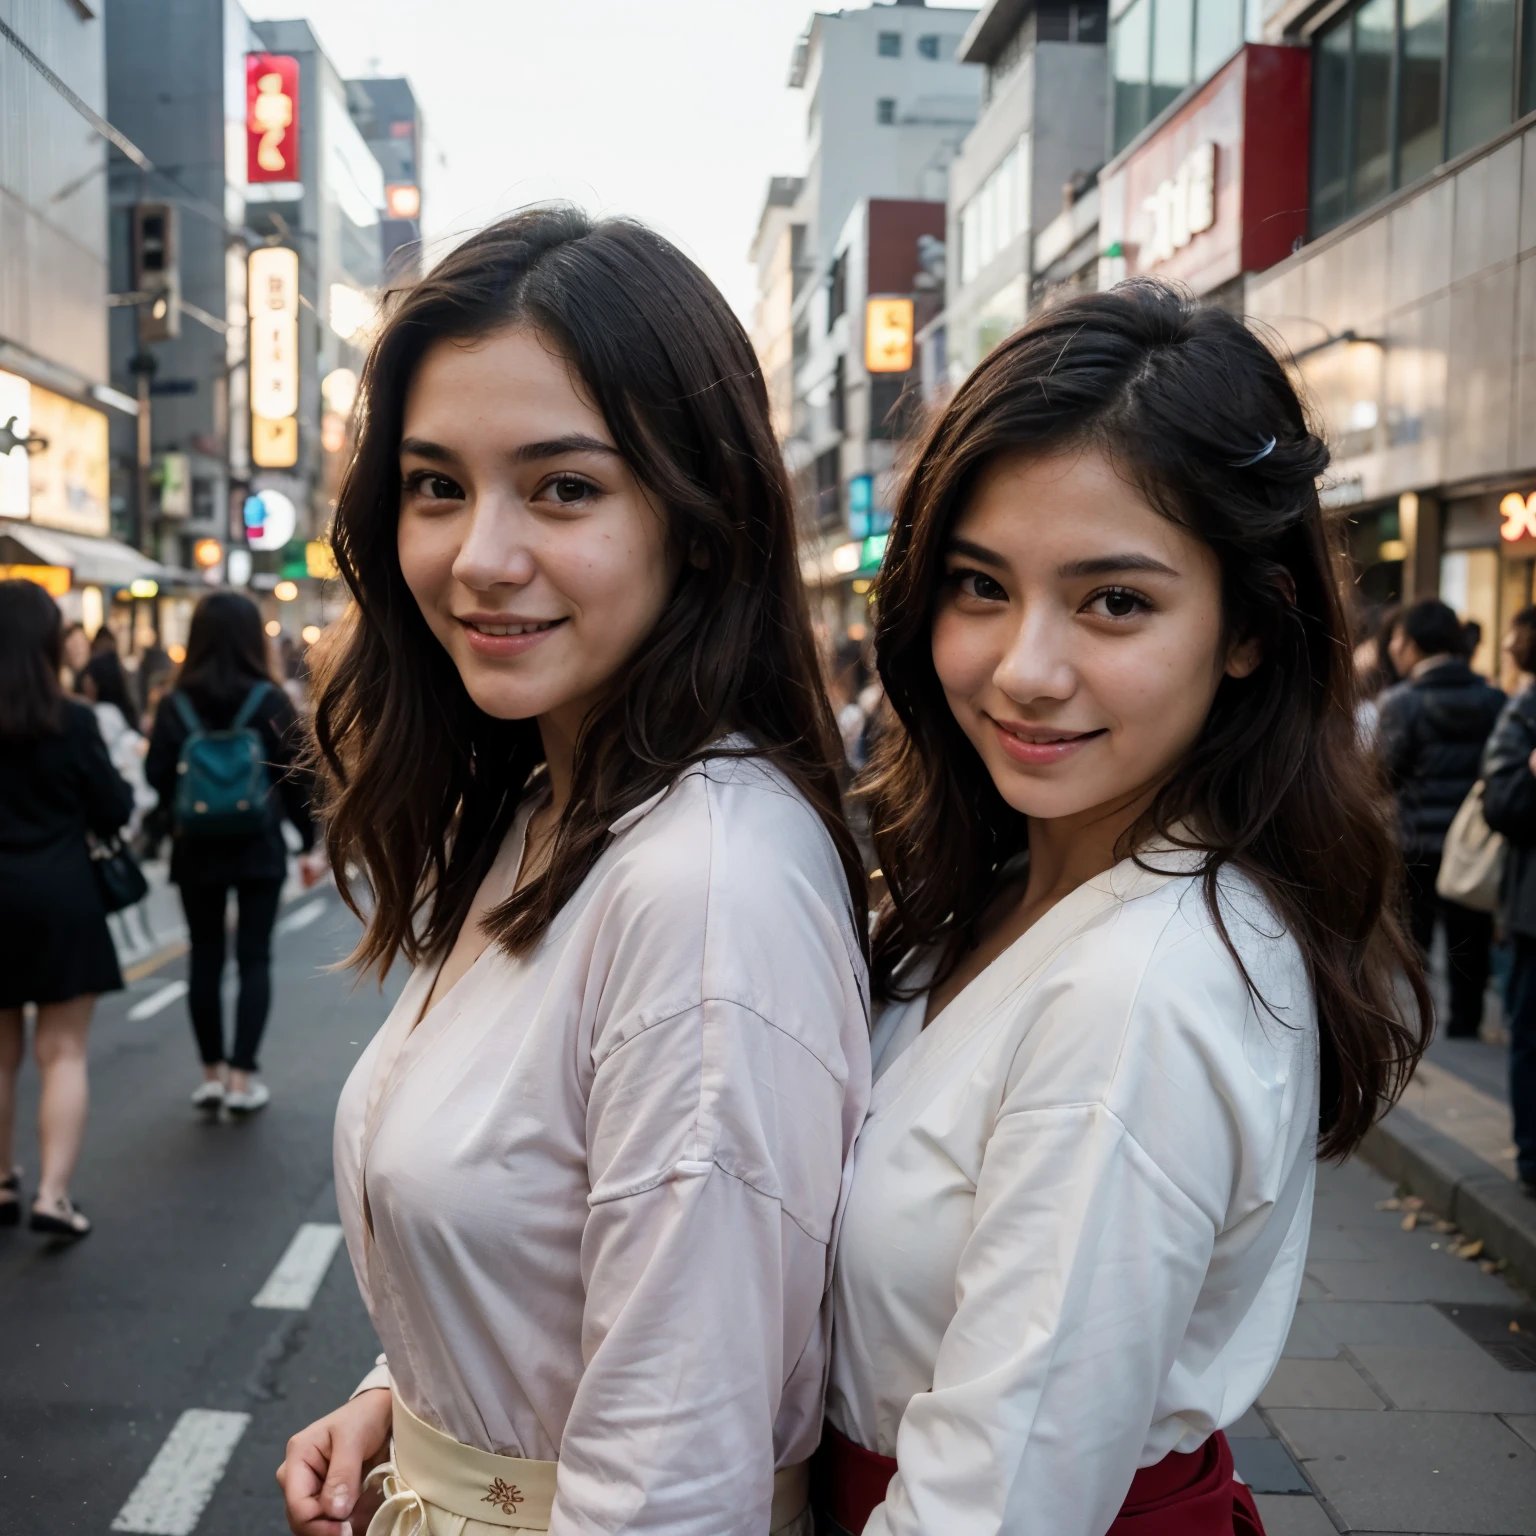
(505, 1496)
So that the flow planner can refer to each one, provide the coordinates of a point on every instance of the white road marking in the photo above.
(173, 1493)
(152, 1004)
(302, 917)
(292, 1285)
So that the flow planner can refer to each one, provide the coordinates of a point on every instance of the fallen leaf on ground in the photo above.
(1470, 1250)
(1394, 1204)
(1410, 1221)
(1412, 1203)
(1445, 1226)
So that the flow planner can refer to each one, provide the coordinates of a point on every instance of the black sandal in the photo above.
(70, 1222)
(10, 1210)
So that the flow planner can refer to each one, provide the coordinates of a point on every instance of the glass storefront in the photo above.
(1159, 48)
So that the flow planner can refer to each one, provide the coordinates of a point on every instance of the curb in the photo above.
(1458, 1185)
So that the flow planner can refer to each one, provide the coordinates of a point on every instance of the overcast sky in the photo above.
(675, 111)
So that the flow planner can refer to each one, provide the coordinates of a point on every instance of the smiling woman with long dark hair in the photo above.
(1158, 965)
(577, 749)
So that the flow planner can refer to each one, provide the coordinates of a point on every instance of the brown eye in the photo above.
(568, 490)
(1119, 605)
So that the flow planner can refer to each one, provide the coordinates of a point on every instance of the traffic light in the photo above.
(156, 271)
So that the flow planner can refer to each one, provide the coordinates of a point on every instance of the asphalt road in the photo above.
(105, 1344)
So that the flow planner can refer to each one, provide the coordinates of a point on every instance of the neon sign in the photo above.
(1519, 514)
(271, 117)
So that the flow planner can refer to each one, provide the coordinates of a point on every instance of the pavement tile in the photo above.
(1291, 1516)
(1410, 1277)
(1416, 1472)
(1524, 1425)
(1318, 1384)
(1321, 1328)
(1249, 1427)
(1448, 1380)
(1266, 1466)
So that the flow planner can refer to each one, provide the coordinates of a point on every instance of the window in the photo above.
(837, 289)
(1399, 86)
(1092, 22)
(928, 47)
(997, 213)
(890, 45)
(1053, 22)
(1159, 48)
(885, 110)
(1482, 74)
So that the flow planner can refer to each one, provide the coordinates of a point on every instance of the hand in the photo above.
(323, 1474)
(312, 868)
(1530, 762)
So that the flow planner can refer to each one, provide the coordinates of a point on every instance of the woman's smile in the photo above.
(505, 635)
(1039, 745)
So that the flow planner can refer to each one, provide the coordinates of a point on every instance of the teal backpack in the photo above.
(221, 776)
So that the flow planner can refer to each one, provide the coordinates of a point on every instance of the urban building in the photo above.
(176, 85)
(389, 120)
(887, 105)
(1409, 307)
(56, 397)
(1039, 138)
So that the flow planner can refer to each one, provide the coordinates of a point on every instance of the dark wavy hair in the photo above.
(226, 654)
(1184, 399)
(419, 784)
(31, 653)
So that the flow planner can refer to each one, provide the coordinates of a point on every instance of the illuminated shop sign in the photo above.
(271, 117)
(1518, 514)
(273, 292)
(888, 334)
(403, 201)
(1180, 207)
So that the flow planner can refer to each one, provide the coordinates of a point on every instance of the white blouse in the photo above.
(1079, 1210)
(602, 1179)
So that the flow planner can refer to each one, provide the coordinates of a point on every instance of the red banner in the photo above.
(271, 117)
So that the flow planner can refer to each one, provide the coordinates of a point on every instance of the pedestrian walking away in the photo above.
(1433, 727)
(1120, 1018)
(58, 789)
(1509, 806)
(590, 1168)
(223, 759)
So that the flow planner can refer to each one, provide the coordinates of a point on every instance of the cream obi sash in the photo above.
(435, 1486)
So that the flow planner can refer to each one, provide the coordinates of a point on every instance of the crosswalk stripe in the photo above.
(158, 1000)
(292, 1285)
(172, 1494)
(302, 917)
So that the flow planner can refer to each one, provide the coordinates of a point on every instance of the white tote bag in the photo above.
(1472, 864)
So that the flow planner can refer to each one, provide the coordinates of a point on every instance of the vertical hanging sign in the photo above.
(273, 292)
(271, 117)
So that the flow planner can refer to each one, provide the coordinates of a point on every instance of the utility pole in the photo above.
(143, 366)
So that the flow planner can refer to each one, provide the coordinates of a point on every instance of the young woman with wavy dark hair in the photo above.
(1141, 958)
(577, 746)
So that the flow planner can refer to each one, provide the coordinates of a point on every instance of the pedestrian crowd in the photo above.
(687, 1188)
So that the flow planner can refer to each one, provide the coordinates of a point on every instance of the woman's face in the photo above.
(77, 649)
(537, 558)
(1078, 635)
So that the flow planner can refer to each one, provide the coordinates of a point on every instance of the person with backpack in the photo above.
(223, 759)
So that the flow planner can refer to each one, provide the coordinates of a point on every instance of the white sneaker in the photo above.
(255, 1097)
(208, 1095)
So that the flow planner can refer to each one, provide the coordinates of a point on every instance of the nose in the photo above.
(495, 551)
(1037, 665)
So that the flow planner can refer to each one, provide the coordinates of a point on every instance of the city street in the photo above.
(1387, 1416)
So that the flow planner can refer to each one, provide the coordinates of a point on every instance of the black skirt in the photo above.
(54, 939)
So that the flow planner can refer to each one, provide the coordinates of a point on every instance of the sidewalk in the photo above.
(1448, 1141)
(1405, 1404)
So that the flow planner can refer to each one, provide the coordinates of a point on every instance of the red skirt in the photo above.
(1185, 1494)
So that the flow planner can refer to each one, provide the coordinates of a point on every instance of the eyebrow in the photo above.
(1100, 565)
(551, 448)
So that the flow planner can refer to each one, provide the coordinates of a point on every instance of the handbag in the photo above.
(119, 880)
(1472, 863)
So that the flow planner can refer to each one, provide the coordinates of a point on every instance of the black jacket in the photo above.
(1433, 730)
(262, 855)
(1509, 806)
(52, 790)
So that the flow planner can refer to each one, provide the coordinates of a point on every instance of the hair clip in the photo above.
(1263, 452)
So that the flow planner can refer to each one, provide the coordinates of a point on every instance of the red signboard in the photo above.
(1221, 187)
(271, 117)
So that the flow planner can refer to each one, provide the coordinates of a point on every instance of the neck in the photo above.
(1067, 851)
(558, 734)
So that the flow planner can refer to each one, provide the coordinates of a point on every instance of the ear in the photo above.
(1244, 657)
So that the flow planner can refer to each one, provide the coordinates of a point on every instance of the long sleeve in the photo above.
(1509, 788)
(165, 741)
(105, 795)
(1074, 1291)
(699, 1264)
(1395, 732)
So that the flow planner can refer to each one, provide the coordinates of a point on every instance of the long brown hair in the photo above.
(31, 653)
(419, 784)
(1203, 417)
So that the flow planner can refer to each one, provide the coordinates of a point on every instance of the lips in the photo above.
(1039, 746)
(508, 636)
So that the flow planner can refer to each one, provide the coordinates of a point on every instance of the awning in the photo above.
(94, 562)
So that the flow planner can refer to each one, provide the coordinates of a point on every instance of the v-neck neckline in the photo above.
(950, 1028)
